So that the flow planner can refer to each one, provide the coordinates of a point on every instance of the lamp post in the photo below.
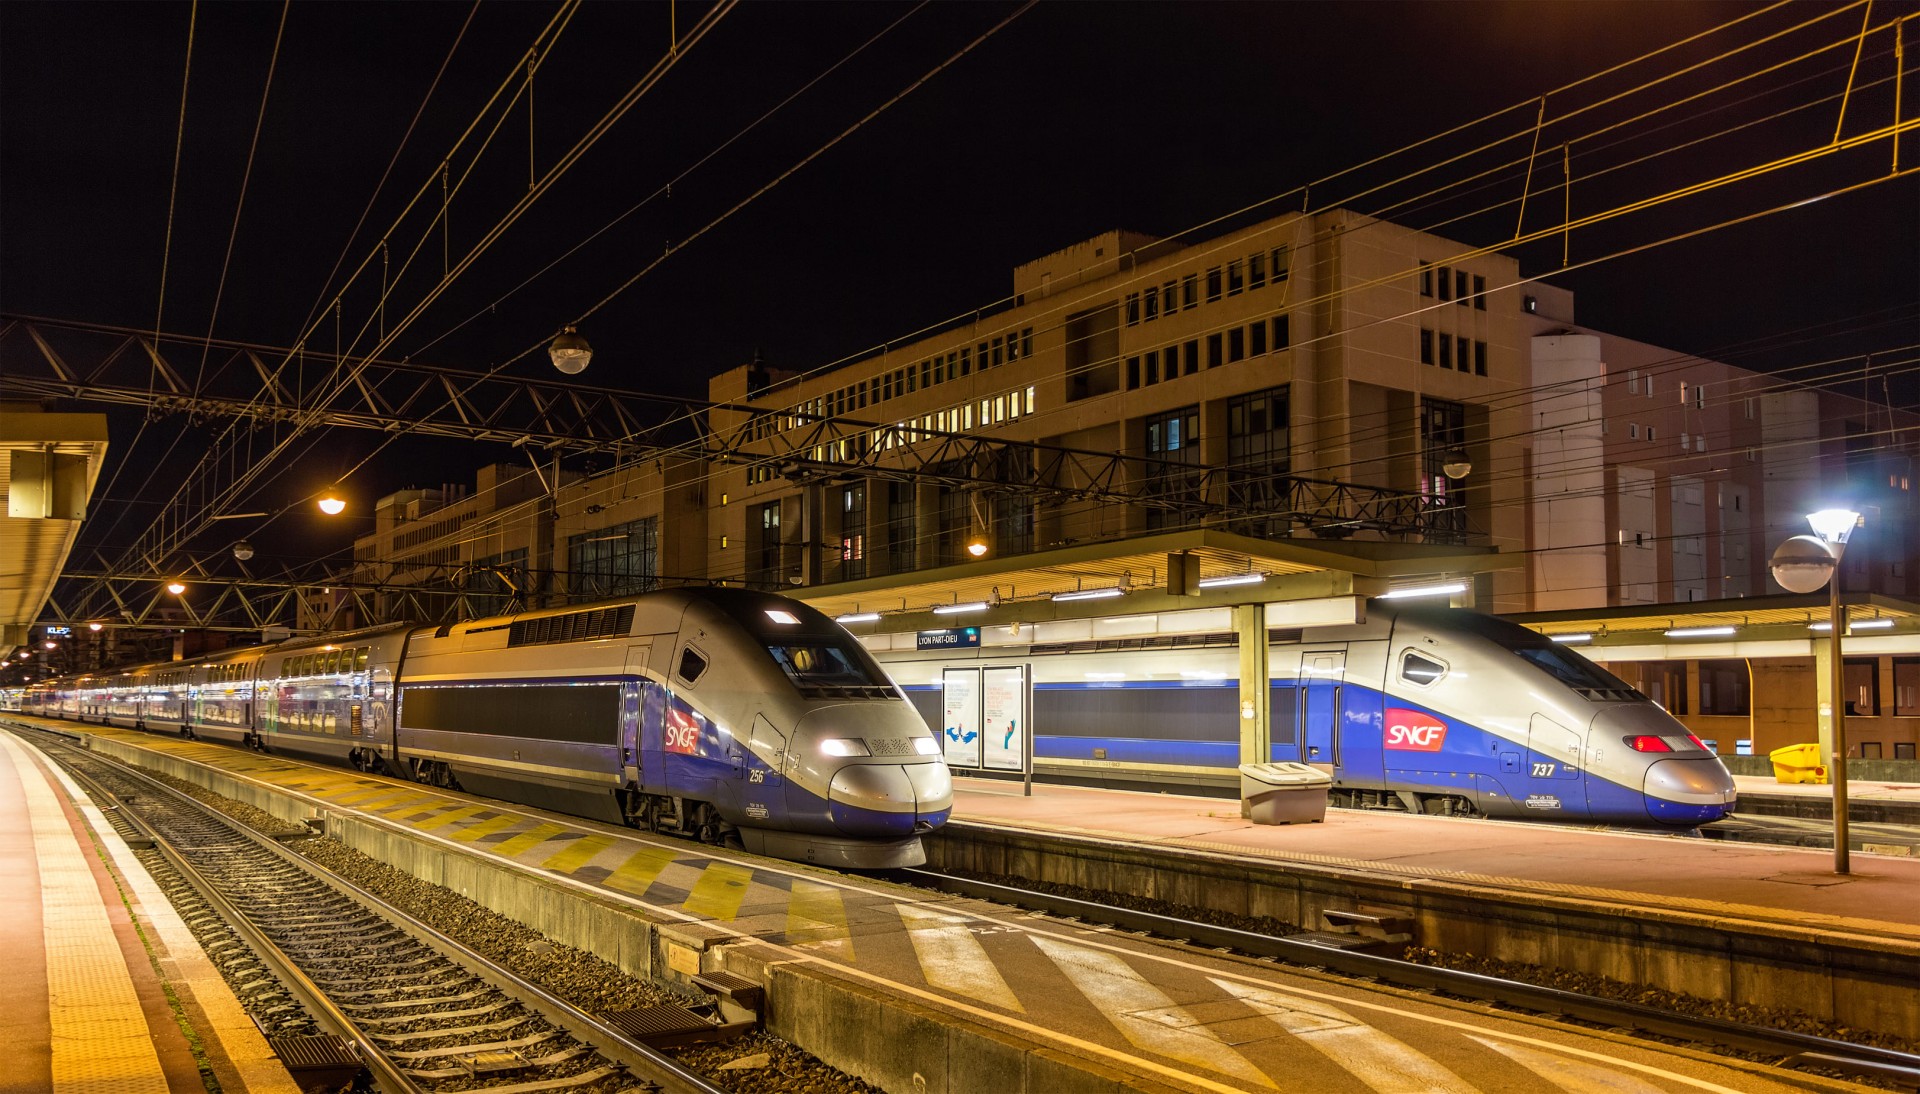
(1833, 526)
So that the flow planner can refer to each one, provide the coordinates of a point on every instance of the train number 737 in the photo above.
(1543, 771)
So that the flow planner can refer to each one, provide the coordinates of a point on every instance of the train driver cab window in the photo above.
(823, 665)
(692, 664)
(1420, 670)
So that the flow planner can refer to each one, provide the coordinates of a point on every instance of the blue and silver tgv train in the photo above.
(1431, 710)
(722, 714)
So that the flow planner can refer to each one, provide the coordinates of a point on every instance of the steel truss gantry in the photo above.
(57, 359)
(810, 448)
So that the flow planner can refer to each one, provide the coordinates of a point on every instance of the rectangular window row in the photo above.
(1456, 285)
(992, 410)
(326, 662)
(1460, 354)
(1256, 271)
(1222, 347)
(962, 361)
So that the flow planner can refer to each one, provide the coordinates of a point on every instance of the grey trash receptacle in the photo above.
(1283, 793)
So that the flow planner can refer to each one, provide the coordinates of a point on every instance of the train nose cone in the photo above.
(872, 799)
(1689, 791)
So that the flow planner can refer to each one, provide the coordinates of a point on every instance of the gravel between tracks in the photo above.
(761, 1063)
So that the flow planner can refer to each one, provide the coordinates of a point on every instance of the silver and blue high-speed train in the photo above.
(1430, 710)
(723, 714)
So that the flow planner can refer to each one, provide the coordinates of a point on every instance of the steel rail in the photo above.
(386, 1076)
(1789, 1047)
(648, 1065)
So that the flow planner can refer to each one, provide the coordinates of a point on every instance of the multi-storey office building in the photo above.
(1311, 375)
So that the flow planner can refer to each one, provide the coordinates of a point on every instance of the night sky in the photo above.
(1072, 119)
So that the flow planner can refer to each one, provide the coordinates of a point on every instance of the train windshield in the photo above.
(1572, 669)
(822, 666)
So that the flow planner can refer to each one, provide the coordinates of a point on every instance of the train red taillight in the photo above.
(1645, 743)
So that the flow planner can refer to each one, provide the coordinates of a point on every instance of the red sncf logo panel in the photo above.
(1414, 731)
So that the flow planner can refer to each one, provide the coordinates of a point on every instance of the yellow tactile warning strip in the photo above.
(242, 1055)
(100, 1037)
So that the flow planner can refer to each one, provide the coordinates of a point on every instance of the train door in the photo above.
(630, 713)
(1552, 775)
(1321, 675)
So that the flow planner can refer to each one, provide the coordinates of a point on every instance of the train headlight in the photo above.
(845, 746)
(926, 746)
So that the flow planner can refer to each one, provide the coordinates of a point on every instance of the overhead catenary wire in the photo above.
(1556, 229)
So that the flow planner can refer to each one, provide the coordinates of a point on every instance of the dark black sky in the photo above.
(1073, 119)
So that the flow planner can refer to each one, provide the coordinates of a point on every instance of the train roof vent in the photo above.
(572, 627)
(849, 691)
(1608, 695)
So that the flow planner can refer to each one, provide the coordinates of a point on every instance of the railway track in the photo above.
(314, 958)
(1785, 1048)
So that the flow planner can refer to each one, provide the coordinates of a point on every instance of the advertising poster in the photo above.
(960, 717)
(1004, 719)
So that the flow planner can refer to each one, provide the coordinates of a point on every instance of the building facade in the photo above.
(1322, 376)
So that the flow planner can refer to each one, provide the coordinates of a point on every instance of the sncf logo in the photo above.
(1414, 731)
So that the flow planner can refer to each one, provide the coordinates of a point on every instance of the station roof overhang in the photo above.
(1742, 626)
(48, 466)
(1021, 588)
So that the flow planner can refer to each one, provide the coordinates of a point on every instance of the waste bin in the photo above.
(1283, 793)
(1797, 764)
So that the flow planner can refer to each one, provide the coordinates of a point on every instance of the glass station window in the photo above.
(1863, 686)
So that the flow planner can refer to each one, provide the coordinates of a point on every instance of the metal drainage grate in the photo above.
(665, 1027)
(320, 1060)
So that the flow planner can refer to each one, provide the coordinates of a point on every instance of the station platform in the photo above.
(1673, 873)
(1868, 800)
(108, 991)
(950, 994)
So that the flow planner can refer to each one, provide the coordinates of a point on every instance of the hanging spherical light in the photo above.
(570, 352)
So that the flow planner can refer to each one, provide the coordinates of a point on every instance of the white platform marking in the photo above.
(1120, 993)
(1572, 1076)
(953, 959)
(1384, 1063)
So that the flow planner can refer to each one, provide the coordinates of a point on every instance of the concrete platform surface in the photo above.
(105, 982)
(1671, 871)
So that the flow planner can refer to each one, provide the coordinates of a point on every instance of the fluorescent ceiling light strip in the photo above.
(1424, 590)
(858, 617)
(1571, 637)
(952, 609)
(1236, 579)
(1699, 632)
(1869, 624)
(1090, 594)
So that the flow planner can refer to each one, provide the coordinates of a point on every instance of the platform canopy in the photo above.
(1022, 587)
(48, 466)
(1751, 618)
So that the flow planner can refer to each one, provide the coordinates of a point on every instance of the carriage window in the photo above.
(822, 665)
(360, 659)
(691, 664)
(1416, 668)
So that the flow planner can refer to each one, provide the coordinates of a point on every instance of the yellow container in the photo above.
(1797, 764)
